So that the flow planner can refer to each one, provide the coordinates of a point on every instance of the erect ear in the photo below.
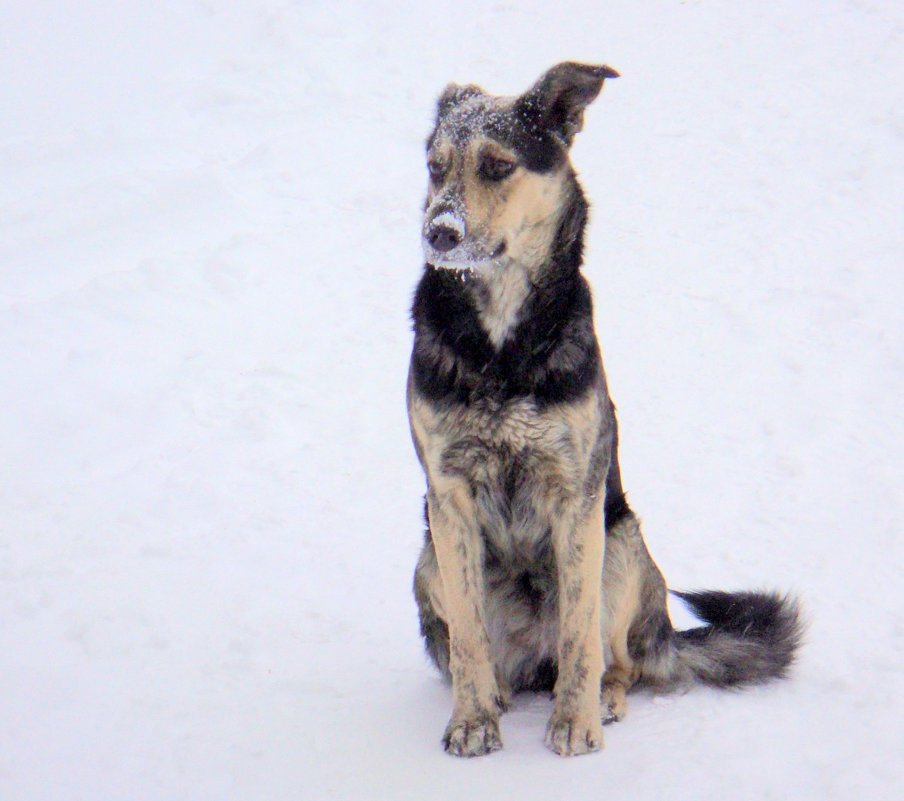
(557, 101)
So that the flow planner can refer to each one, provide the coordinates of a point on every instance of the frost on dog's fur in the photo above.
(534, 573)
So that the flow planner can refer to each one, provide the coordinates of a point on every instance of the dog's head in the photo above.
(498, 169)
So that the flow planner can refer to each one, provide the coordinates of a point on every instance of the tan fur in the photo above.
(623, 581)
(460, 555)
(460, 591)
(530, 208)
(499, 315)
(575, 726)
(521, 426)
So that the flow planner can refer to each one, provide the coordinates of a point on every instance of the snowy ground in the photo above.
(209, 505)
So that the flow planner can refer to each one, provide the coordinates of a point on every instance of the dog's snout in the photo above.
(443, 238)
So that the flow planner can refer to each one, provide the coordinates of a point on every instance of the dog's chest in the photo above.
(519, 463)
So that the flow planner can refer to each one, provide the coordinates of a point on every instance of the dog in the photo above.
(534, 574)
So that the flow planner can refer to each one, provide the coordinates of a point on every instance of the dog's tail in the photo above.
(751, 637)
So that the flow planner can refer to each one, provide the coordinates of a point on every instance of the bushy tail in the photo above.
(751, 637)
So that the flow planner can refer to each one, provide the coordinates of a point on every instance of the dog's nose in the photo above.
(443, 238)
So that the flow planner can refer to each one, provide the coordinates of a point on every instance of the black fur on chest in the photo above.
(551, 355)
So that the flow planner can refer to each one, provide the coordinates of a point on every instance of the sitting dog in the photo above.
(534, 574)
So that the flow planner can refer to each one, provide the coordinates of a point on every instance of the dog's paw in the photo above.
(574, 735)
(615, 703)
(503, 699)
(473, 737)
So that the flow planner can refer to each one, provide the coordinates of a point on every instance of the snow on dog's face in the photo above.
(499, 166)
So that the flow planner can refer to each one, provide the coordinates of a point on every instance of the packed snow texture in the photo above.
(210, 221)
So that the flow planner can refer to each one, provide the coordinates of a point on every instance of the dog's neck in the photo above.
(501, 296)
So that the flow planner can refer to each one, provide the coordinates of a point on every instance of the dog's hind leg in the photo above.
(638, 630)
(615, 700)
(575, 726)
(476, 702)
(428, 590)
(621, 675)
(621, 591)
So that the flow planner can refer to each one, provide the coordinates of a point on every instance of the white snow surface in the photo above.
(210, 508)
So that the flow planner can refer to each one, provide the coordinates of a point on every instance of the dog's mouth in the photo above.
(468, 257)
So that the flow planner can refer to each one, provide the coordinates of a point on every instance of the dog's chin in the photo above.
(459, 261)
(463, 266)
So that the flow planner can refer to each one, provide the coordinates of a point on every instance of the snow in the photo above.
(209, 505)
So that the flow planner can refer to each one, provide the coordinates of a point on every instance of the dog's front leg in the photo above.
(575, 726)
(474, 727)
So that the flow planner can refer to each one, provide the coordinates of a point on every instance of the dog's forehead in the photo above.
(461, 120)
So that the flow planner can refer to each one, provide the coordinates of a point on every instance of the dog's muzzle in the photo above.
(447, 246)
(444, 232)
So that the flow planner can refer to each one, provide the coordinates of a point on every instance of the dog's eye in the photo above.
(493, 169)
(436, 169)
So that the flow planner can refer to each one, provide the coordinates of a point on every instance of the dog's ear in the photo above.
(454, 94)
(557, 101)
